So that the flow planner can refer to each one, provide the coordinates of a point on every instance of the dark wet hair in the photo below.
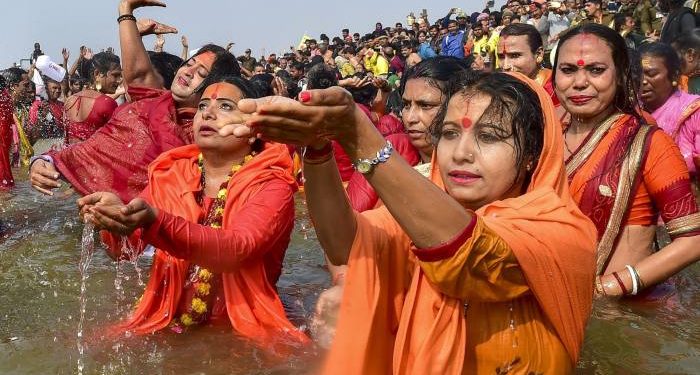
(512, 101)
(103, 62)
(436, 71)
(13, 75)
(667, 53)
(626, 98)
(687, 41)
(534, 39)
(321, 76)
(262, 84)
(394, 103)
(166, 65)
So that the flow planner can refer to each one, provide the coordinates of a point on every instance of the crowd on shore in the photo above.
(475, 180)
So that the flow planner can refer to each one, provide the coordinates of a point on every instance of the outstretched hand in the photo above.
(147, 26)
(131, 5)
(320, 115)
(106, 211)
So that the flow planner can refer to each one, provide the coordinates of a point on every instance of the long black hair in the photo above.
(626, 96)
(436, 71)
(102, 62)
(513, 102)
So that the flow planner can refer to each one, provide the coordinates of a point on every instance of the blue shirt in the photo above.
(452, 45)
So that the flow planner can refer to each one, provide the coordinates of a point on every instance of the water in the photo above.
(40, 309)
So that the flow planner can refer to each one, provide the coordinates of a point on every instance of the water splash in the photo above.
(87, 249)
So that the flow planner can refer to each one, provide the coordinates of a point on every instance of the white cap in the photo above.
(50, 68)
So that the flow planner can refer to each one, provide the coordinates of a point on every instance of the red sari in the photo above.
(6, 121)
(117, 156)
(101, 112)
(246, 253)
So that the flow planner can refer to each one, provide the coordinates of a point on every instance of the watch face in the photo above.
(364, 167)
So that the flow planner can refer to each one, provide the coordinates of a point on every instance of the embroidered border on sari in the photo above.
(684, 225)
(583, 153)
(630, 168)
(687, 112)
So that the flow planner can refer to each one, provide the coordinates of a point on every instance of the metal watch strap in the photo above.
(366, 166)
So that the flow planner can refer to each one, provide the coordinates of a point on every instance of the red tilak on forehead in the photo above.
(580, 61)
(466, 122)
(215, 93)
(505, 40)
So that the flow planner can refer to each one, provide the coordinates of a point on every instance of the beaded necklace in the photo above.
(201, 278)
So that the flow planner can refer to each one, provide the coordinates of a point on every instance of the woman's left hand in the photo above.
(319, 116)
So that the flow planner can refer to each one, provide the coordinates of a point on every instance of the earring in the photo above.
(674, 83)
(528, 167)
(98, 86)
(539, 59)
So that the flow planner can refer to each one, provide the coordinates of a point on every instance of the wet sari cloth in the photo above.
(511, 294)
(246, 252)
(679, 117)
(628, 173)
(117, 156)
(6, 121)
(102, 109)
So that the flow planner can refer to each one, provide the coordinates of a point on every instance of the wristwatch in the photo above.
(366, 166)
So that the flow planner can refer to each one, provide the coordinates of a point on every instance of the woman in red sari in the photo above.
(116, 157)
(623, 173)
(220, 213)
(91, 108)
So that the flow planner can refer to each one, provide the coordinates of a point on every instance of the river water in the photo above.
(40, 239)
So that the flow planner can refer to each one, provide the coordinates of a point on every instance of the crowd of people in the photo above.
(475, 181)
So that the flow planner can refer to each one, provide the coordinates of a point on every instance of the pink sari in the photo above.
(679, 117)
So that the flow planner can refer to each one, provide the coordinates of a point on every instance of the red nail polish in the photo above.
(305, 96)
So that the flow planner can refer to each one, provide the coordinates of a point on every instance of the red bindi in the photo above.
(467, 123)
(580, 62)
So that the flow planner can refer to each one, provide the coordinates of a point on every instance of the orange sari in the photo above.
(252, 304)
(513, 295)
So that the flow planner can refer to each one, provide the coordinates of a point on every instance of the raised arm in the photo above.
(136, 65)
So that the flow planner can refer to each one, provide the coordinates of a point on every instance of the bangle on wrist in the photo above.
(312, 155)
(126, 17)
(621, 284)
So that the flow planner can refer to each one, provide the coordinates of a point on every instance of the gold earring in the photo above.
(539, 59)
(98, 86)
(674, 83)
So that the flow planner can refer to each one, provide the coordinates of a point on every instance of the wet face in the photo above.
(53, 90)
(477, 160)
(110, 81)
(218, 107)
(656, 87)
(515, 55)
(421, 103)
(191, 75)
(586, 79)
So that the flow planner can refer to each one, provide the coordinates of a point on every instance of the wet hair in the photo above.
(394, 103)
(636, 70)
(687, 41)
(665, 52)
(262, 84)
(512, 101)
(13, 75)
(166, 65)
(103, 62)
(436, 71)
(534, 39)
(321, 76)
(626, 95)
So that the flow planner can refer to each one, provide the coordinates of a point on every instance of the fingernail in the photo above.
(305, 96)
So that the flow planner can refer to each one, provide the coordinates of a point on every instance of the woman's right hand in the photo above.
(128, 6)
(44, 177)
(106, 211)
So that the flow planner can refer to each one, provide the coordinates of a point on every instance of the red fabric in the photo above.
(549, 88)
(6, 121)
(247, 251)
(102, 109)
(360, 193)
(38, 126)
(117, 156)
(342, 160)
(389, 124)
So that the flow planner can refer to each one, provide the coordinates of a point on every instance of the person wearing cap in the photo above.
(462, 21)
(247, 61)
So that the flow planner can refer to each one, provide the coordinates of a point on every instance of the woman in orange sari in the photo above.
(488, 268)
(623, 173)
(220, 213)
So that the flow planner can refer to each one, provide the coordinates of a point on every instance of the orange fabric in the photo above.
(663, 167)
(253, 306)
(394, 320)
(683, 83)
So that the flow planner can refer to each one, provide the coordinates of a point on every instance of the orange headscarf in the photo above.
(552, 240)
(252, 304)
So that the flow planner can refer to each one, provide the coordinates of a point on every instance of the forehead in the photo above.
(222, 90)
(471, 105)
(587, 47)
(420, 89)
(514, 42)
